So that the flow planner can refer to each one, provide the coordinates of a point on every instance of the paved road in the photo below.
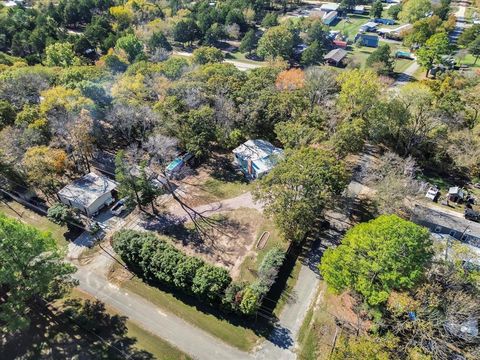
(461, 23)
(407, 75)
(176, 331)
(240, 65)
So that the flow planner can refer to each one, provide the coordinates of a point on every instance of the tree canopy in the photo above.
(375, 258)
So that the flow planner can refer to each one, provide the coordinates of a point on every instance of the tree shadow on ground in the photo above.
(80, 330)
(222, 168)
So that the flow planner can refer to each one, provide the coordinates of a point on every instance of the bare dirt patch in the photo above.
(227, 242)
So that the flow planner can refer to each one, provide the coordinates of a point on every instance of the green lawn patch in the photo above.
(350, 27)
(220, 189)
(235, 335)
(469, 60)
(27, 216)
(252, 261)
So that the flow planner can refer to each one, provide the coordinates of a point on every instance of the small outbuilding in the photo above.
(336, 57)
(367, 40)
(89, 193)
(359, 9)
(330, 17)
(456, 194)
(329, 7)
(257, 157)
(369, 26)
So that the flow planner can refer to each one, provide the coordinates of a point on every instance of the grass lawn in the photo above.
(317, 332)
(235, 335)
(362, 53)
(238, 56)
(252, 261)
(470, 61)
(350, 27)
(220, 189)
(158, 347)
(21, 213)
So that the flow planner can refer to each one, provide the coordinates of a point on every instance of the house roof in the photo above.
(330, 7)
(87, 189)
(331, 15)
(455, 190)
(336, 55)
(370, 25)
(256, 149)
(359, 8)
(369, 37)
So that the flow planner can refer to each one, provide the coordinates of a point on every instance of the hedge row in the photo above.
(156, 260)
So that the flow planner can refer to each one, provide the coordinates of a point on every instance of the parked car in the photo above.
(174, 169)
(432, 193)
(119, 207)
(471, 214)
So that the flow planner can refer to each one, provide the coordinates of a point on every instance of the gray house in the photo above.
(89, 193)
(257, 157)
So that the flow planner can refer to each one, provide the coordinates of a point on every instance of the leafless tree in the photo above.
(320, 84)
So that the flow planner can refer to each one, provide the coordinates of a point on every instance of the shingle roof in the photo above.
(336, 55)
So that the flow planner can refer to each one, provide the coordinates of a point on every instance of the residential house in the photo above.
(369, 26)
(257, 157)
(327, 7)
(336, 57)
(89, 193)
(359, 9)
(367, 40)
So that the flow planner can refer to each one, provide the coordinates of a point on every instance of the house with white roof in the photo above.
(257, 157)
(89, 193)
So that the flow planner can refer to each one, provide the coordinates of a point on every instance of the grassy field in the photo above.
(220, 189)
(21, 213)
(350, 27)
(238, 56)
(235, 335)
(360, 54)
(145, 340)
(470, 61)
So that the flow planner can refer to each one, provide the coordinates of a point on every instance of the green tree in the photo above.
(364, 347)
(270, 20)
(359, 91)
(468, 35)
(207, 54)
(210, 282)
(60, 214)
(7, 114)
(185, 272)
(297, 190)
(131, 45)
(349, 137)
(32, 270)
(158, 40)
(394, 10)
(313, 54)
(250, 301)
(474, 49)
(60, 54)
(413, 10)
(276, 42)
(249, 42)
(431, 53)
(186, 31)
(374, 258)
(197, 130)
(128, 186)
(376, 9)
(381, 60)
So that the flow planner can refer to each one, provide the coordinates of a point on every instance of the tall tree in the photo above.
(32, 270)
(431, 53)
(276, 42)
(376, 9)
(413, 10)
(374, 258)
(297, 190)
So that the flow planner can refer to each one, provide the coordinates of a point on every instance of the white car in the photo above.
(119, 206)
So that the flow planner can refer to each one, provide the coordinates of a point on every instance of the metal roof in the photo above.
(87, 189)
(336, 55)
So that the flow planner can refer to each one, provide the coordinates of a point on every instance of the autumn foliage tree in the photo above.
(292, 79)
